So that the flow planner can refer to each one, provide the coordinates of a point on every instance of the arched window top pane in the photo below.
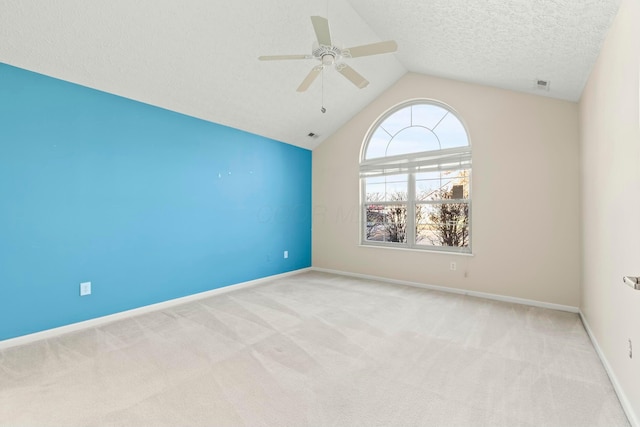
(415, 128)
(451, 132)
(413, 140)
(397, 121)
(378, 143)
(427, 115)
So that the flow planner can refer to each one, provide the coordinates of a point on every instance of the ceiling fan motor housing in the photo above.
(328, 55)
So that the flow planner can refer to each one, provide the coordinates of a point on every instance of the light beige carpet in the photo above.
(316, 349)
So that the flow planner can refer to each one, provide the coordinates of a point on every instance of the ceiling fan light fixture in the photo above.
(328, 59)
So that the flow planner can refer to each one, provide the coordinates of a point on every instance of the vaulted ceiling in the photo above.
(199, 57)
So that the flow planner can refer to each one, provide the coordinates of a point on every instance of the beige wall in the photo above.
(610, 134)
(526, 233)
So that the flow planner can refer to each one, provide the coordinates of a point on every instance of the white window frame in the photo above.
(448, 159)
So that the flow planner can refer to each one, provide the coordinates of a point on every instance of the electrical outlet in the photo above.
(85, 288)
(286, 254)
(630, 349)
(452, 266)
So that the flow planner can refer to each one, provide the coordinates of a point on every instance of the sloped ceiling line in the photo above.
(200, 58)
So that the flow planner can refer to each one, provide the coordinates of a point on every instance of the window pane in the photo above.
(427, 115)
(386, 223)
(451, 132)
(397, 121)
(377, 146)
(390, 188)
(442, 185)
(413, 140)
(442, 224)
(432, 185)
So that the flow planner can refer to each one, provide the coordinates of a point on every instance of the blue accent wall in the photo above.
(145, 203)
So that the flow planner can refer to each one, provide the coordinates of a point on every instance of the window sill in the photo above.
(429, 251)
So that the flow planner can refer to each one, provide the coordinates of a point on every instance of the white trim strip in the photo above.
(496, 297)
(99, 321)
(622, 397)
(624, 401)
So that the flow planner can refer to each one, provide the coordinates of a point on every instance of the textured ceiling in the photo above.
(199, 57)
(508, 44)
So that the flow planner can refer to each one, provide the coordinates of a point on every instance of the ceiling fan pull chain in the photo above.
(322, 93)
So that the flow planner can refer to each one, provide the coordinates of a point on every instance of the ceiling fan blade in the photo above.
(280, 57)
(315, 71)
(371, 49)
(352, 75)
(321, 27)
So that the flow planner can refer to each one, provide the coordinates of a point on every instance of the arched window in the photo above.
(415, 173)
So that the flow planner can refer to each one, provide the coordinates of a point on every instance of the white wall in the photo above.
(525, 214)
(610, 134)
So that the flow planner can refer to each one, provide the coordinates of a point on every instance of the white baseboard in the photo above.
(624, 401)
(485, 295)
(50, 333)
(98, 321)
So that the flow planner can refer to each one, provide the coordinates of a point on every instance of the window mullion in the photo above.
(363, 210)
(411, 210)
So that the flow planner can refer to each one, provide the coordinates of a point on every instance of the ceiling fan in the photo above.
(328, 54)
